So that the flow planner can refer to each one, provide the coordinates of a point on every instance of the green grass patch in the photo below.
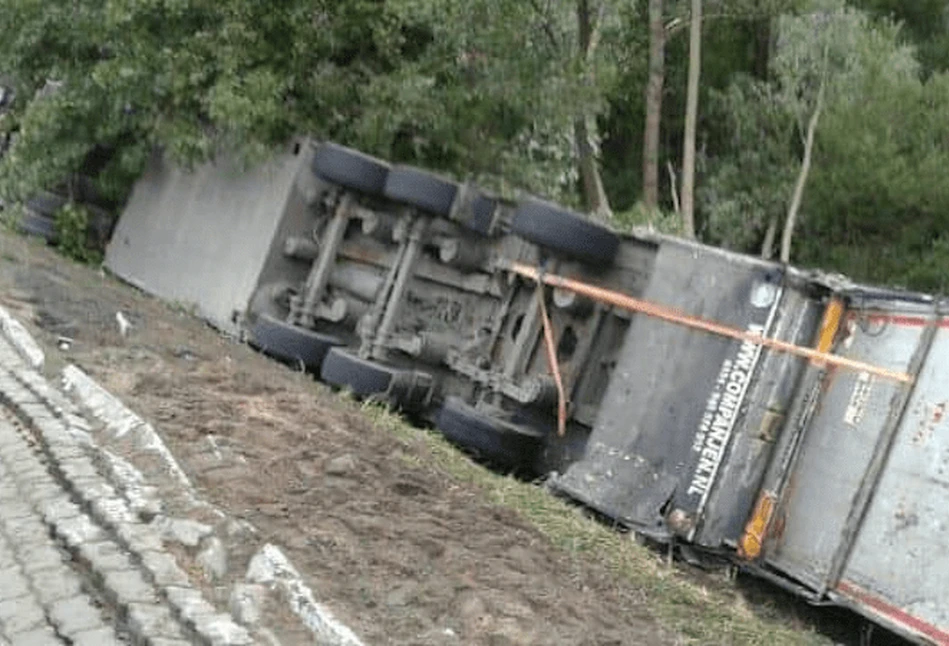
(698, 613)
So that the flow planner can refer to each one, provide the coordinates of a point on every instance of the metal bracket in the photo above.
(319, 276)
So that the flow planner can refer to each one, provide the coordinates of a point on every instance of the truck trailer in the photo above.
(792, 422)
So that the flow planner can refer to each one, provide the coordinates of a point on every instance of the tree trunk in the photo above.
(584, 127)
(657, 69)
(763, 46)
(594, 194)
(798, 194)
(767, 247)
(674, 192)
(691, 118)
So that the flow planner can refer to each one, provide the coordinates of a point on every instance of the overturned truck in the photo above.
(791, 421)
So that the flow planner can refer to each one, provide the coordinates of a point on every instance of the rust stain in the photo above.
(905, 518)
(929, 420)
(776, 532)
(939, 412)
(752, 541)
(360, 253)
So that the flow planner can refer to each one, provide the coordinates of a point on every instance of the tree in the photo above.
(815, 51)
(797, 196)
(741, 41)
(435, 82)
(923, 23)
(191, 77)
(654, 88)
(687, 197)
(585, 130)
(824, 120)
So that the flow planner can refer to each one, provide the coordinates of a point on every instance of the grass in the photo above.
(695, 613)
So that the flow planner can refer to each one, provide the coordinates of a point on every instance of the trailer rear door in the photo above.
(865, 506)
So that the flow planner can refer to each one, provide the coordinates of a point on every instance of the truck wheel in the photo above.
(41, 226)
(490, 438)
(563, 231)
(291, 344)
(46, 204)
(272, 335)
(421, 189)
(362, 376)
(350, 168)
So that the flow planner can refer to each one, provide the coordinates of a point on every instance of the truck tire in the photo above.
(562, 231)
(408, 390)
(492, 439)
(46, 204)
(350, 168)
(291, 344)
(421, 189)
(40, 226)
(272, 335)
(363, 377)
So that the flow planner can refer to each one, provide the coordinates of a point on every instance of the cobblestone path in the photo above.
(77, 566)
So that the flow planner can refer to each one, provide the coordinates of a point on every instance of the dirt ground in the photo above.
(402, 554)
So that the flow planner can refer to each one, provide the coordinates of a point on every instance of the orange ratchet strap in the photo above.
(671, 315)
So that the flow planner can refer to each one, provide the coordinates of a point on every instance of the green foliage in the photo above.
(876, 203)
(879, 202)
(72, 230)
(656, 220)
(925, 24)
(751, 185)
(493, 93)
(11, 215)
(489, 89)
(191, 76)
(481, 87)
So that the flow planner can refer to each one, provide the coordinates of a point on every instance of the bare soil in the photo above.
(401, 552)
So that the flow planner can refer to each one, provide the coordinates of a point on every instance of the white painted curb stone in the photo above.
(271, 566)
(21, 340)
(119, 419)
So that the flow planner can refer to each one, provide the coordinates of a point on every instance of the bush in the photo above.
(72, 228)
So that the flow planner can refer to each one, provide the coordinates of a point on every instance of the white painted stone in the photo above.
(119, 420)
(272, 567)
(182, 530)
(213, 558)
(142, 497)
(24, 343)
(123, 322)
(246, 602)
(221, 630)
(240, 528)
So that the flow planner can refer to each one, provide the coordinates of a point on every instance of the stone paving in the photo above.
(42, 596)
(90, 546)
(77, 565)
